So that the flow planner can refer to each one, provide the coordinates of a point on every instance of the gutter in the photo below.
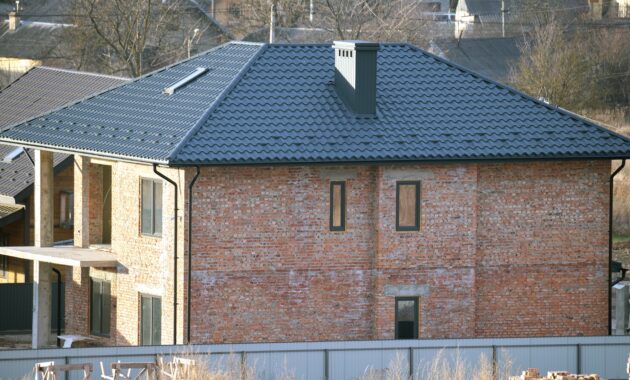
(190, 210)
(174, 252)
(610, 243)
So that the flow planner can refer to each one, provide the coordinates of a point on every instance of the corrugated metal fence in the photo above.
(606, 356)
(20, 317)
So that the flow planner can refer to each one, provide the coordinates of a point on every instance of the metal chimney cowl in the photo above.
(355, 75)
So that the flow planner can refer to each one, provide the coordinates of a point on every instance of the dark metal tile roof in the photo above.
(285, 109)
(43, 89)
(40, 90)
(277, 104)
(16, 177)
(137, 120)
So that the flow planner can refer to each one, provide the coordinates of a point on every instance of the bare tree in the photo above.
(131, 37)
(378, 20)
(558, 67)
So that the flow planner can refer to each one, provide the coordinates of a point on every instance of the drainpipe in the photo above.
(58, 305)
(610, 243)
(190, 199)
(174, 253)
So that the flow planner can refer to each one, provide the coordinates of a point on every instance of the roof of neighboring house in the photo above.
(261, 103)
(40, 90)
(492, 8)
(31, 40)
(9, 213)
(43, 89)
(491, 57)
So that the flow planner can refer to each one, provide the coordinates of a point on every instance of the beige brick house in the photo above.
(308, 192)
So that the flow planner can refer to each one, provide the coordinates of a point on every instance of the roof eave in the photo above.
(85, 152)
(403, 161)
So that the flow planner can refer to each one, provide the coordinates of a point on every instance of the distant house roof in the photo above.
(31, 40)
(259, 103)
(490, 10)
(40, 90)
(491, 57)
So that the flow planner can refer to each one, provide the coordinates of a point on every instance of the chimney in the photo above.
(355, 74)
(14, 21)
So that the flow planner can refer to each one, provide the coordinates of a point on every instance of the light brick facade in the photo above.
(503, 249)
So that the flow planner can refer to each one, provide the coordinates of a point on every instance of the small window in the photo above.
(4, 266)
(151, 221)
(100, 307)
(408, 206)
(406, 318)
(150, 320)
(66, 209)
(337, 206)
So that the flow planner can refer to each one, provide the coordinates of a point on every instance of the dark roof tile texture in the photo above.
(43, 89)
(278, 104)
(285, 109)
(137, 120)
(40, 90)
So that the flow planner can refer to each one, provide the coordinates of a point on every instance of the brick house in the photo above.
(359, 191)
(41, 89)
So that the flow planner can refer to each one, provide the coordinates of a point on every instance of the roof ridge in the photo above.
(515, 91)
(126, 83)
(237, 78)
(43, 67)
(14, 81)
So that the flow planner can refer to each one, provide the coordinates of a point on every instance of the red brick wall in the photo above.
(542, 253)
(503, 250)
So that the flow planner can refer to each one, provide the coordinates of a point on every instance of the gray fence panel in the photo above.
(351, 364)
(545, 358)
(303, 365)
(423, 357)
(606, 356)
(22, 369)
(607, 361)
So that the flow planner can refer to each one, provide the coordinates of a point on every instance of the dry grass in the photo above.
(442, 367)
(618, 121)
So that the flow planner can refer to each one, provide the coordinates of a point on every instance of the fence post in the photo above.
(411, 362)
(326, 365)
(578, 358)
(243, 369)
(495, 360)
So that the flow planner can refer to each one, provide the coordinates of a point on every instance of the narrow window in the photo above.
(408, 206)
(66, 209)
(150, 320)
(406, 318)
(4, 266)
(337, 206)
(100, 306)
(151, 218)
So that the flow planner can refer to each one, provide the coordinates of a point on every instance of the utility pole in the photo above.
(191, 39)
(503, 11)
(272, 25)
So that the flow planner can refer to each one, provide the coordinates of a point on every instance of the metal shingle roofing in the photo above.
(40, 90)
(278, 104)
(137, 120)
(285, 109)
